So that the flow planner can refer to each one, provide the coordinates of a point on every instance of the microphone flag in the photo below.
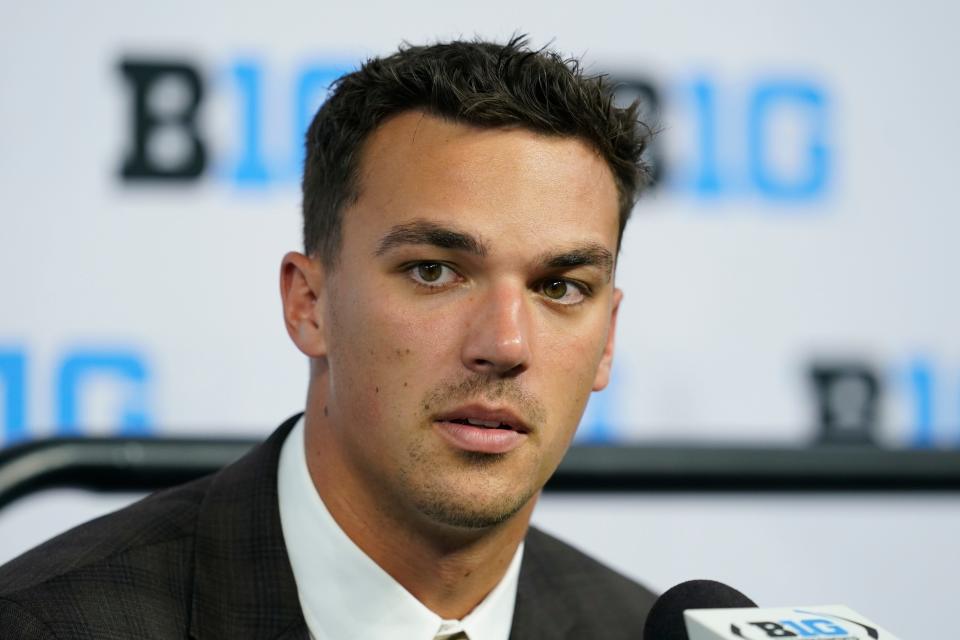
(824, 622)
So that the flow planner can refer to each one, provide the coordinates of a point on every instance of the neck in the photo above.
(448, 569)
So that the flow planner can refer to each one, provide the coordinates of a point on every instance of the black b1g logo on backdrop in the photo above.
(152, 118)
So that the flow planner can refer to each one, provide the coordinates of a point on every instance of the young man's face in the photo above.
(475, 282)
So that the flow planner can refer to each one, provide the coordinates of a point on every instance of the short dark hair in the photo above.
(479, 83)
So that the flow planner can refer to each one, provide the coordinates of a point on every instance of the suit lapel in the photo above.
(244, 586)
(243, 583)
(544, 610)
(298, 631)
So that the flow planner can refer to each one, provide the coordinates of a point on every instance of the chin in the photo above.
(467, 516)
(446, 506)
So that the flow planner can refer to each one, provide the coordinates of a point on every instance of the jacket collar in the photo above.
(243, 583)
(544, 609)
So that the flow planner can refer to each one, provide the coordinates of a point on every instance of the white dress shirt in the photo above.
(344, 594)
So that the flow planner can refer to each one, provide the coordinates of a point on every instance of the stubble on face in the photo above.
(442, 501)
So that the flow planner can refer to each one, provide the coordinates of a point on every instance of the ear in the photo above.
(302, 287)
(606, 360)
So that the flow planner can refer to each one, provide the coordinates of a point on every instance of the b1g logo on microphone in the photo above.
(815, 628)
(793, 629)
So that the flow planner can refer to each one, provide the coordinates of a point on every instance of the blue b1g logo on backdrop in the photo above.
(762, 116)
(76, 374)
(739, 132)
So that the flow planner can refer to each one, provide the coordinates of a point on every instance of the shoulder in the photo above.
(140, 556)
(597, 596)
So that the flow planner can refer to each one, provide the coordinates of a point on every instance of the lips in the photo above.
(485, 417)
(482, 429)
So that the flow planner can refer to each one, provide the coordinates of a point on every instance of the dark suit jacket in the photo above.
(207, 560)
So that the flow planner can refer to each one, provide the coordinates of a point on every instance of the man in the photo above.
(463, 208)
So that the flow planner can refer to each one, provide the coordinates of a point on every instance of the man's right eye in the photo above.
(432, 274)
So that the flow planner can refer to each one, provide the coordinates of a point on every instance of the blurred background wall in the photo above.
(790, 278)
(797, 252)
(794, 264)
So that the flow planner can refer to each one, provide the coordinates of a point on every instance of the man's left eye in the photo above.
(562, 291)
(432, 274)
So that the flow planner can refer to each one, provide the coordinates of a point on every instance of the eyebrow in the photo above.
(589, 254)
(431, 233)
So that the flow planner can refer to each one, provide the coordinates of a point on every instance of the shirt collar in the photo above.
(343, 593)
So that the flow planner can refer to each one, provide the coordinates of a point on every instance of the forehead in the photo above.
(502, 183)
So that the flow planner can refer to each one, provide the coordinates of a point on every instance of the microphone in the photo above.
(665, 620)
(708, 610)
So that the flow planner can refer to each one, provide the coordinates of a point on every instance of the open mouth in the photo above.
(482, 429)
(486, 424)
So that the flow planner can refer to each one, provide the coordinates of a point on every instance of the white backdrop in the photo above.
(806, 212)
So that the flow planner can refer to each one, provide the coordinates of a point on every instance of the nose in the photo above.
(497, 341)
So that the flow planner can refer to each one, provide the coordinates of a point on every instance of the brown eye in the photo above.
(562, 291)
(430, 271)
(555, 289)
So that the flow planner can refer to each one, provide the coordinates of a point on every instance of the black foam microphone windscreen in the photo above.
(665, 620)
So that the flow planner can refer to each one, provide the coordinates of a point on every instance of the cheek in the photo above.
(570, 360)
(387, 347)
(573, 347)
